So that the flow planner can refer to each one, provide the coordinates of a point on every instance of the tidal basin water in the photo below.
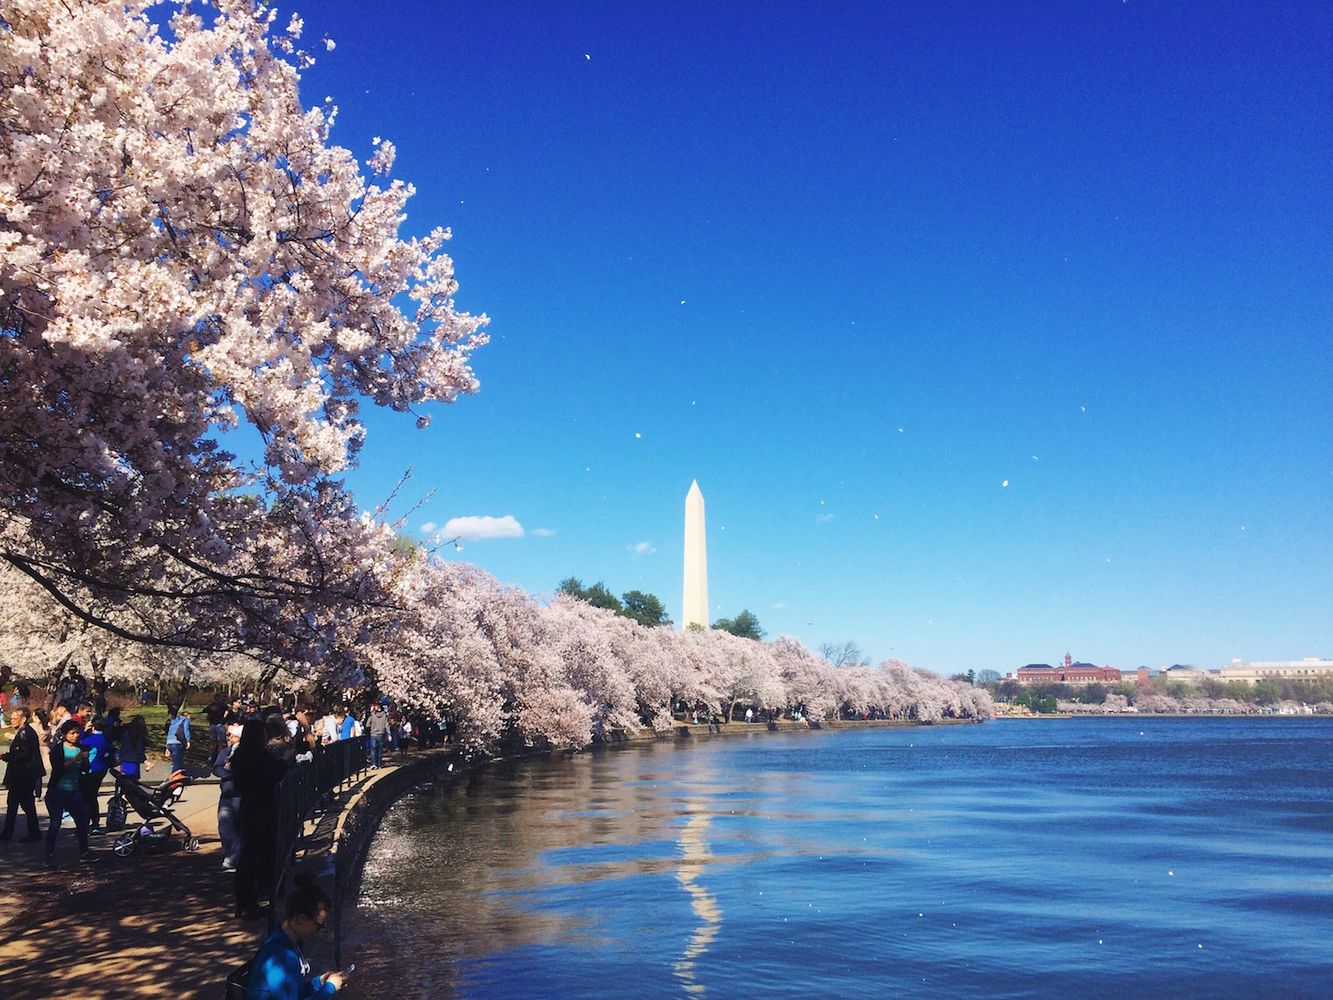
(1028, 858)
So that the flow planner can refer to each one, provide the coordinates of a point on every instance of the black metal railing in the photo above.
(301, 791)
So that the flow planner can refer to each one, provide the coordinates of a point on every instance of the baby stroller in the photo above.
(153, 805)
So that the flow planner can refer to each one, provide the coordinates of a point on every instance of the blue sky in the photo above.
(855, 267)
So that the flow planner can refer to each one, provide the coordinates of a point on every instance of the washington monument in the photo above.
(694, 608)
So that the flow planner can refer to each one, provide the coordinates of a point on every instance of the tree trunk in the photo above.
(177, 693)
(99, 684)
(266, 677)
(53, 680)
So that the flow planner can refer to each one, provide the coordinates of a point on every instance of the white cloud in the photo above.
(823, 518)
(779, 605)
(543, 532)
(642, 548)
(478, 529)
(429, 528)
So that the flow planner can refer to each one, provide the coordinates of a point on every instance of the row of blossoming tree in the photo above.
(199, 293)
(505, 665)
(563, 672)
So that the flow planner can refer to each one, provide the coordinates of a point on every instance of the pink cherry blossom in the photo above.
(183, 251)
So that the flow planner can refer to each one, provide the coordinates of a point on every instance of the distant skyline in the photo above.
(990, 332)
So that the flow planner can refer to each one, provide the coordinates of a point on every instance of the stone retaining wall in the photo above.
(340, 869)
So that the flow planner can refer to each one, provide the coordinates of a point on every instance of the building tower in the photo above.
(694, 607)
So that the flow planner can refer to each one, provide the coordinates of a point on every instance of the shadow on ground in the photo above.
(157, 924)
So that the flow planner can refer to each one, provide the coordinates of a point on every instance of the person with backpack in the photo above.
(178, 739)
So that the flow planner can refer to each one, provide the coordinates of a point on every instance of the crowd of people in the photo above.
(69, 750)
(64, 756)
(251, 749)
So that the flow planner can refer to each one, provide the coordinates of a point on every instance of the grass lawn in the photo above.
(155, 716)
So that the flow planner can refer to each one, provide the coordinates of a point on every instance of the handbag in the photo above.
(238, 981)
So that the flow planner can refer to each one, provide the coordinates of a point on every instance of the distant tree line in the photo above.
(1164, 694)
(648, 610)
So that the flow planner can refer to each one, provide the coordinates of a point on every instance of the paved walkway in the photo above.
(156, 924)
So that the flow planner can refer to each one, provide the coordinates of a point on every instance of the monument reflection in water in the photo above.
(694, 861)
(1097, 857)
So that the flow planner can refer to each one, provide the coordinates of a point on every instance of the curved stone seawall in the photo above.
(360, 816)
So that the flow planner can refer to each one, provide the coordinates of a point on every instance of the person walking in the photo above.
(24, 771)
(68, 762)
(178, 739)
(40, 721)
(229, 800)
(217, 728)
(378, 727)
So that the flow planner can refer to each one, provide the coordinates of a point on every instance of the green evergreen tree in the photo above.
(745, 625)
(646, 609)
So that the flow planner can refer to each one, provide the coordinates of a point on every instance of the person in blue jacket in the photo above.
(178, 739)
(95, 741)
(279, 970)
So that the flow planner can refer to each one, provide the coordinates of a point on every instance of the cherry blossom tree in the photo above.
(807, 677)
(184, 254)
(581, 636)
(745, 671)
(437, 656)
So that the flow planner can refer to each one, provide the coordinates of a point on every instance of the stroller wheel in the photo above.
(125, 844)
(192, 844)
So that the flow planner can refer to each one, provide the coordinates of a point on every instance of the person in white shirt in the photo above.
(328, 729)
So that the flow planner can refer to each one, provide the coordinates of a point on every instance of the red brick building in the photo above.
(1068, 672)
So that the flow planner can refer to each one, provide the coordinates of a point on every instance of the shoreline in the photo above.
(361, 816)
(159, 924)
(134, 919)
(1160, 715)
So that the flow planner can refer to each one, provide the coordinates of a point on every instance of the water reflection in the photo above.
(900, 863)
(491, 864)
(695, 857)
